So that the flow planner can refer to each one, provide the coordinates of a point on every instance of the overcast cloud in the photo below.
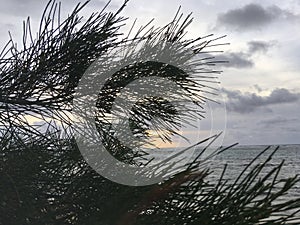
(279, 120)
(260, 46)
(243, 59)
(250, 102)
(236, 60)
(253, 16)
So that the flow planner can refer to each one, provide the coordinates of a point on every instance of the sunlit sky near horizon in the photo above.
(261, 84)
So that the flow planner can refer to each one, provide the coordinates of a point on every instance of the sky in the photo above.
(261, 83)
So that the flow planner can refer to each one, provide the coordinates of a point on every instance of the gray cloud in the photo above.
(13, 12)
(259, 46)
(244, 59)
(258, 88)
(249, 102)
(19, 8)
(253, 16)
(34, 8)
(278, 121)
(236, 60)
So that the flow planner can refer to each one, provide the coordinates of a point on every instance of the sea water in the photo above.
(237, 158)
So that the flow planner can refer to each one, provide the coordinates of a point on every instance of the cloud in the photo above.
(250, 102)
(34, 8)
(236, 60)
(253, 16)
(258, 88)
(23, 8)
(259, 46)
(244, 59)
(13, 12)
(278, 121)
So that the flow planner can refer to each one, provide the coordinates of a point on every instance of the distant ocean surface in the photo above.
(238, 157)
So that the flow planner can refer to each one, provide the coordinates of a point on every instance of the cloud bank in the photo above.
(249, 102)
(259, 46)
(243, 59)
(253, 16)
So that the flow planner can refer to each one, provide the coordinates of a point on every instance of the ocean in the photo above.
(238, 157)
